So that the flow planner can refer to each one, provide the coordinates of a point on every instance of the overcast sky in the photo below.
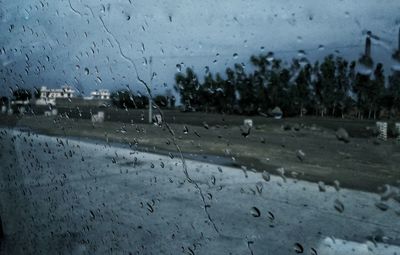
(94, 44)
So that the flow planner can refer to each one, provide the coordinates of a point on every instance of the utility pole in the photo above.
(150, 84)
(396, 54)
(368, 47)
(398, 47)
(1, 229)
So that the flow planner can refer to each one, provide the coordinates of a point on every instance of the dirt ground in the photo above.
(304, 148)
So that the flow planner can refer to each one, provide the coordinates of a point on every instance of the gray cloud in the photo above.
(55, 42)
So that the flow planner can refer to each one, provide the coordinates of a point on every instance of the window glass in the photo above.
(200, 127)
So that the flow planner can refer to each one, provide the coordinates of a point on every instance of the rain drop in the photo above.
(255, 212)
(338, 206)
(298, 248)
(185, 130)
(336, 184)
(271, 216)
(179, 68)
(266, 176)
(321, 186)
(270, 56)
(259, 187)
(301, 155)
(213, 180)
(382, 206)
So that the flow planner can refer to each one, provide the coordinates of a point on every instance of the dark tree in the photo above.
(22, 94)
(301, 89)
(361, 86)
(394, 91)
(376, 91)
(328, 85)
(4, 100)
(342, 87)
(188, 85)
(161, 101)
(36, 93)
(126, 99)
(277, 84)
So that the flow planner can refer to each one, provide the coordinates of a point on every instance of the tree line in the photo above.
(334, 87)
(127, 99)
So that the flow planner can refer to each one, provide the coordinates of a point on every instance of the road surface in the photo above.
(65, 196)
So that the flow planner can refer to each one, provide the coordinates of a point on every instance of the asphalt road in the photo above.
(64, 196)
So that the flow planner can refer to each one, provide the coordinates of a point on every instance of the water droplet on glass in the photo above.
(86, 71)
(298, 248)
(235, 55)
(299, 39)
(266, 176)
(342, 135)
(382, 206)
(150, 208)
(396, 64)
(259, 187)
(93, 216)
(271, 216)
(213, 180)
(185, 130)
(301, 54)
(336, 184)
(178, 67)
(313, 251)
(338, 206)
(364, 68)
(270, 56)
(321, 186)
(301, 155)
(281, 172)
(255, 212)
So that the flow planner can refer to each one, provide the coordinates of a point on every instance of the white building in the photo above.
(48, 96)
(100, 94)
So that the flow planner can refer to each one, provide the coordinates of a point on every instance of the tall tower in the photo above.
(398, 47)
(366, 58)
(396, 54)
(368, 47)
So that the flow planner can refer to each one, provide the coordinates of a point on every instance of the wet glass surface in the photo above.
(199, 127)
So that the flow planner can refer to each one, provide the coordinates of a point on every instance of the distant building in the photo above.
(103, 94)
(64, 92)
(19, 106)
(97, 98)
(49, 96)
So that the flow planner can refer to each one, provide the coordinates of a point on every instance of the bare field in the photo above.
(308, 150)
